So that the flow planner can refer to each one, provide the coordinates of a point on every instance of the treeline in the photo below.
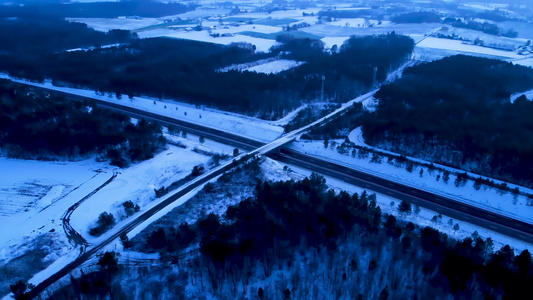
(266, 231)
(111, 9)
(457, 111)
(299, 240)
(417, 17)
(345, 14)
(485, 27)
(357, 64)
(43, 35)
(33, 124)
(187, 70)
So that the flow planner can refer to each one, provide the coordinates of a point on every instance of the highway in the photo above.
(446, 206)
(449, 207)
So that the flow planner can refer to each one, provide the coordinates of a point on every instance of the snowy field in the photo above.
(528, 62)
(338, 40)
(358, 22)
(136, 184)
(274, 67)
(250, 127)
(106, 24)
(68, 182)
(328, 30)
(35, 194)
(427, 182)
(262, 45)
(459, 46)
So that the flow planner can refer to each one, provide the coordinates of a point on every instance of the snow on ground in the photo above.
(282, 14)
(288, 117)
(456, 45)
(358, 22)
(35, 194)
(338, 40)
(262, 45)
(106, 24)
(489, 199)
(528, 62)
(328, 30)
(245, 27)
(202, 12)
(529, 95)
(136, 184)
(390, 205)
(235, 123)
(275, 67)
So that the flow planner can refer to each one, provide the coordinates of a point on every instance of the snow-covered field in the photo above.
(106, 24)
(528, 62)
(275, 67)
(35, 194)
(486, 198)
(250, 127)
(390, 205)
(136, 184)
(262, 45)
(456, 45)
(328, 30)
(338, 40)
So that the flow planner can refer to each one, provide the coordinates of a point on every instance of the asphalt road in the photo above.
(446, 206)
(449, 207)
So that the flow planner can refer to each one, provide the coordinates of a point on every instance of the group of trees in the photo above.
(299, 239)
(417, 17)
(485, 27)
(188, 70)
(264, 232)
(33, 124)
(110, 9)
(457, 111)
(49, 34)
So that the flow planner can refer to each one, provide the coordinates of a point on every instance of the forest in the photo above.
(314, 243)
(111, 9)
(36, 125)
(47, 34)
(417, 17)
(188, 70)
(457, 111)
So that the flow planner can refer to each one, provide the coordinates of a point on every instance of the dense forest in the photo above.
(457, 111)
(47, 34)
(417, 17)
(188, 70)
(313, 243)
(33, 124)
(111, 9)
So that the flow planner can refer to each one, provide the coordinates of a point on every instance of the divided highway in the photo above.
(452, 208)
(449, 207)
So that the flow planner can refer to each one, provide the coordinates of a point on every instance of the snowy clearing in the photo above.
(424, 218)
(330, 41)
(35, 194)
(262, 45)
(106, 24)
(275, 67)
(528, 62)
(456, 45)
(327, 30)
(136, 184)
(250, 127)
